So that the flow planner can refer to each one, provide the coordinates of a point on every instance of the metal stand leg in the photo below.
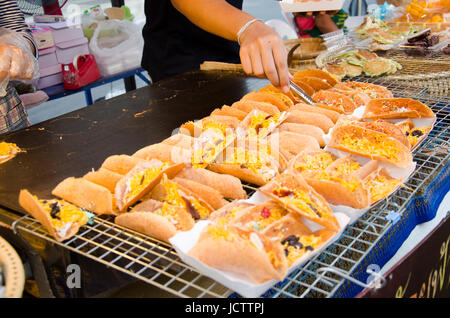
(130, 83)
(88, 95)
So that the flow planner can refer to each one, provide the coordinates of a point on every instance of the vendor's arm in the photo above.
(262, 50)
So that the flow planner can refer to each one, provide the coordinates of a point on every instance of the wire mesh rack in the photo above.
(156, 263)
(430, 73)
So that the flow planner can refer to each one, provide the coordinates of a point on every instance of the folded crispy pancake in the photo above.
(104, 177)
(396, 108)
(164, 152)
(340, 185)
(316, 83)
(380, 185)
(279, 100)
(228, 121)
(180, 140)
(310, 163)
(336, 100)
(329, 78)
(270, 219)
(86, 195)
(208, 194)
(291, 95)
(331, 114)
(249, 105)
(387, 128)
(305, 129)
(293, 193)
(156, 219)
(308, 89)
(302, 117)
(370, 144)
(245, 253)
(229, 211)
(230, 111)
(360, 98)
(372, 90)
(147, 223)
(175, 194)
(259, 124)
(294, 143)
(229, 186)
(141, 179)
(61, 219)
(253, 166)
(121, 164)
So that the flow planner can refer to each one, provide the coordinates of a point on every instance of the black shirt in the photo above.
(173, 44)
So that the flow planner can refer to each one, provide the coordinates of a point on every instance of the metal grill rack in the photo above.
(157, 263)
(430, 73)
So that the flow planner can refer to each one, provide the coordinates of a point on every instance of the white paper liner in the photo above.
(184, 241)
(395, 172)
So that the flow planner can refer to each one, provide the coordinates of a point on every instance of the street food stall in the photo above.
(159, 200)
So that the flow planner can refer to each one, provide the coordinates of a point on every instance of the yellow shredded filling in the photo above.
(230, 216)
(300, 199)
(204, 155)
(295, 253)
(175, 198)
(375, 146)
(379, 187)
(251, 160)
(414, 139)
(217, 127)
(349, 182)
(67, 213)
(166, 210)
(6, 148)
(142, 179)
(276, 213)
(347, 168)
(314, 162)
(221, 232)
(274, 260)
(260, 123)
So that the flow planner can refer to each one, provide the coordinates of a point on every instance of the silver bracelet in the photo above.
(245, 28)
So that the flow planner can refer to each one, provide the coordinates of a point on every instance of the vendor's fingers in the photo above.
(246, 61)
(257, 65)
(280, 58)
(269, 66)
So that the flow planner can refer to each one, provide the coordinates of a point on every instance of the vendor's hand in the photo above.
(263, 53)
(15, 62)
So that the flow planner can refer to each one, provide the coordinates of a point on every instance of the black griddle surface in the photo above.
(75, 143)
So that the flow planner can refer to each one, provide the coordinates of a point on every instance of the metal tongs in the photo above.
(302, 93)
(294, 86)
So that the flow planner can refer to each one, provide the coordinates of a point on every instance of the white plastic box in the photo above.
(119, 53)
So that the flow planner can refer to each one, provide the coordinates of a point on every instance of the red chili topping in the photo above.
(265, 213)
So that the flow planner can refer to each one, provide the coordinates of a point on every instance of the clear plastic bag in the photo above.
(117, 46)
(17, 61)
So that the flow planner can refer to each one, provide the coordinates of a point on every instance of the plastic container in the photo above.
(117, 46)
